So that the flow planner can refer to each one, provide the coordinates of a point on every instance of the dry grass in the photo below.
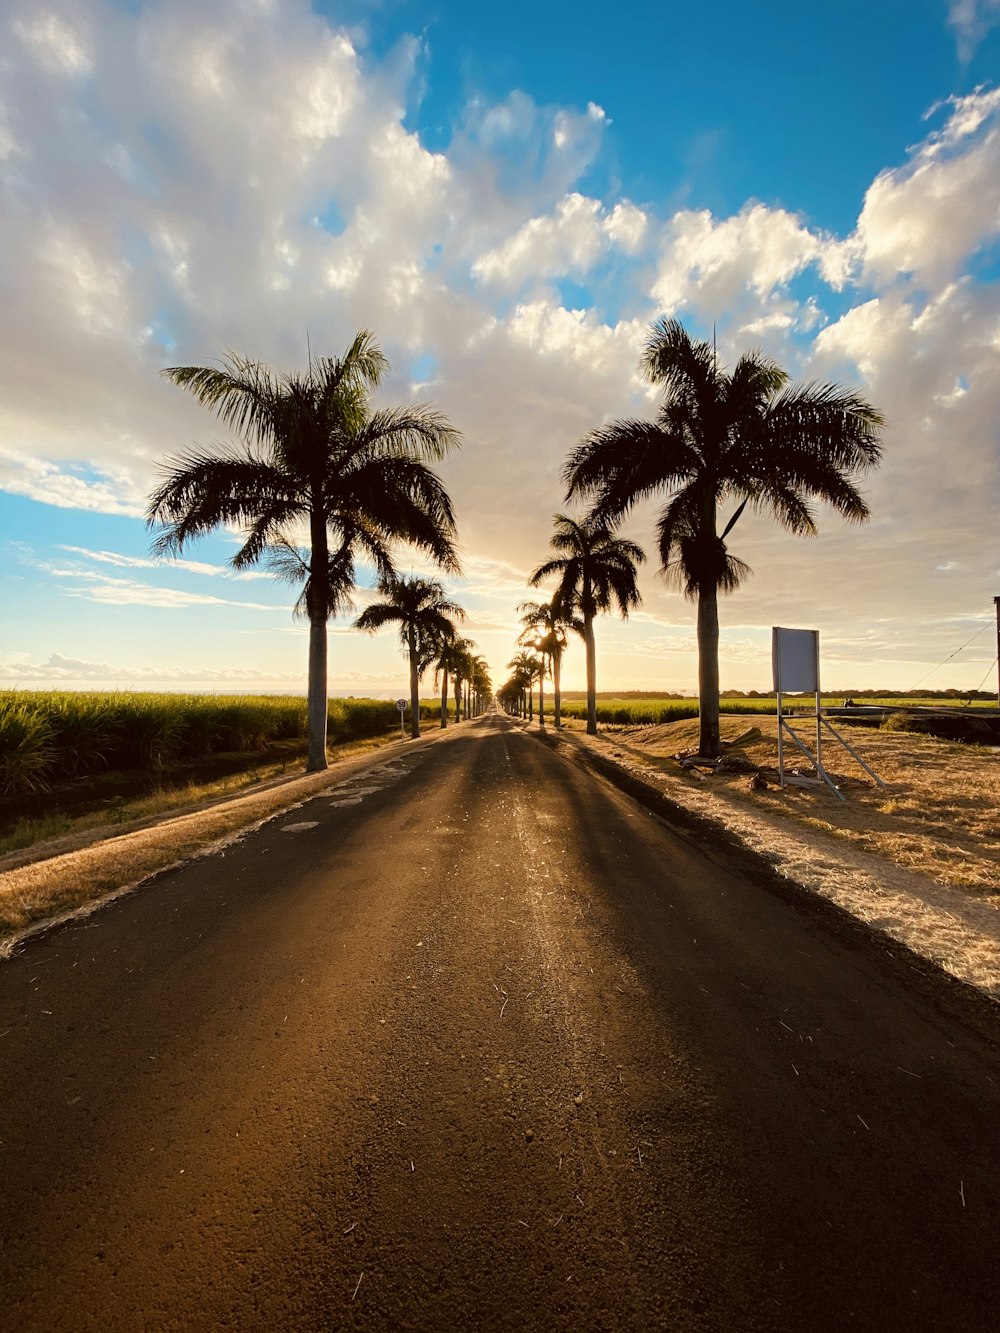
(940, 814)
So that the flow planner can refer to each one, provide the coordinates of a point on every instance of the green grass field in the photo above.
(51, 737)
(652, 710)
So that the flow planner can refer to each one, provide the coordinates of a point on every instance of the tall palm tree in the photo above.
(509, 695)
(314, 455)
(542, 645)
(426, 620)
(451, 658)
(749, 438)
(462, 672)
(514, 693)
(545, 625)
(596, 571)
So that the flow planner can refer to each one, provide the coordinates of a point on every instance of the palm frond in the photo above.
(829, 422)
(417, 431)
(273, 520)
(292, 564)
(406, 502)
(243, 393)
(377, 616)
(203, 491)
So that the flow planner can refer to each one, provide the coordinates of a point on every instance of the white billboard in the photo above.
(795, 660)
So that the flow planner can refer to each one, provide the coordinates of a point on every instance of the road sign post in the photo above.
(401, 705)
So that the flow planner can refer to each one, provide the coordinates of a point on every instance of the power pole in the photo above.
(996, 603)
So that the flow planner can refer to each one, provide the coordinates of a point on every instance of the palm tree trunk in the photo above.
(709, 744)
(444, 698)
(588, 638)
(458, 699)
(319, 572)
(556, 692)
(541, 699)
(316, 708)
(414, 687)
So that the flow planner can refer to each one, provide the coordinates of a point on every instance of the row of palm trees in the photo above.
(428, 634)
(745, 439)
(315, 456)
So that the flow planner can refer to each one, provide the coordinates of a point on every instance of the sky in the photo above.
(507, 196)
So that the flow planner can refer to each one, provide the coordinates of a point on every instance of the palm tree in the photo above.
(451, 658)
(482, 685)
(462, 672)
(528, 668)
(509, 695)
(542, 645)
(545, 625)
(293, 564)
(747, 437)
(314, 454)
(515, 691)
(596, 571)
(424, 616)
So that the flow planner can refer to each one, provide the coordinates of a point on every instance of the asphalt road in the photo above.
(475, 1042)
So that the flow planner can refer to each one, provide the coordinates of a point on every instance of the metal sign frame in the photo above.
(795, 666)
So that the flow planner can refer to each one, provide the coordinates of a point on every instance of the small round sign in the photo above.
(401, 705)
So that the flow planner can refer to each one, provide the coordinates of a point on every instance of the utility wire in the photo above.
(984, 679)
(988, 625)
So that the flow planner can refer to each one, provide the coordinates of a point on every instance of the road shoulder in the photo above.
(933, 922)
(53, 889)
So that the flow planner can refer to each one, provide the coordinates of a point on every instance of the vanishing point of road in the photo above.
(472, 1041)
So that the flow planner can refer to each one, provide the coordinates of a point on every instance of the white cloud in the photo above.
(972, 19)
(627, 226)
(110, 590)
(929, 217)
(712, 263)
(57, 41)
(570, 240)
(577, 335)
(38, 479)
(58, 668)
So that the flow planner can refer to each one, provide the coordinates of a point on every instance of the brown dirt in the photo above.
(940, 814)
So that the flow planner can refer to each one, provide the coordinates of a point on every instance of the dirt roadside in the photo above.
(944, 925)
(48, 885)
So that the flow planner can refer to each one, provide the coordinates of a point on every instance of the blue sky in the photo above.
(507, 195)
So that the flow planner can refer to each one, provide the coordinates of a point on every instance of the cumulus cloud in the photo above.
(928, 217)
(724, 264)
(186, 176)
(111, 491)
(570, 240)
